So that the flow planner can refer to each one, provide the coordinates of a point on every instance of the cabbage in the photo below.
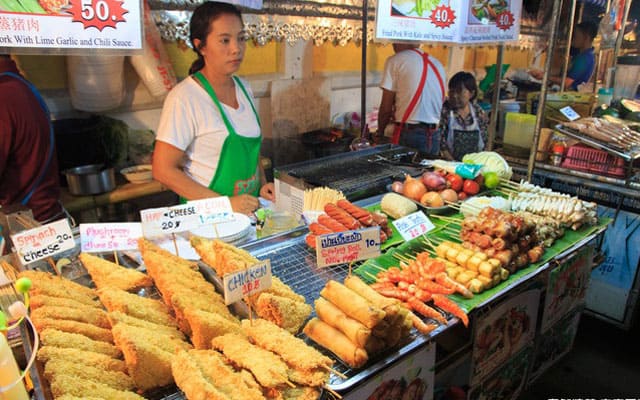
(491, 162)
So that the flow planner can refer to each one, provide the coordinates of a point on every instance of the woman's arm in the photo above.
(167, 169)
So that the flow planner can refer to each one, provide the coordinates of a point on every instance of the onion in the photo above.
(413, 188)
(449, 195)
(434, 181)
(432, 199)
(397, 187)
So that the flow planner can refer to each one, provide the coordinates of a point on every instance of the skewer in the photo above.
(453, 204)
(453, 220)
(115, 257)
(288, 382)
(335, 372)
(403, 258)
(370, 275)
(506, 182)
(333, 392)
(175, 244)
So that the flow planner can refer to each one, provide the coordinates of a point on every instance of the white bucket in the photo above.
(96, 83)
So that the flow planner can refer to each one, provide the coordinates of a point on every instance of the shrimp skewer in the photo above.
(449, 306)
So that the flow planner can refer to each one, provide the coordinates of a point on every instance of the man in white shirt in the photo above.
(413, 85)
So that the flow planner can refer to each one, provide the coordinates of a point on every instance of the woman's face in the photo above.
(225, 45)
(459, 97)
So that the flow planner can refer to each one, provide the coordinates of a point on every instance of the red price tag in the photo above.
(97, 13)
(504, 20)
(443, 16)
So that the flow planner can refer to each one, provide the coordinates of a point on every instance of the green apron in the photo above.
(237, 168)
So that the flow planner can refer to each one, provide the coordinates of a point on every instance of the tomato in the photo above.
(470, 187)
(455, 181)
(462, 195)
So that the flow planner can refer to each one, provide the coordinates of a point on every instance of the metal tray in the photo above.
(632, 154)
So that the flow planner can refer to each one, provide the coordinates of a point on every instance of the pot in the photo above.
(90, 179)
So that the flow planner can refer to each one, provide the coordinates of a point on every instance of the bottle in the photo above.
(11, 386)
(557, 152)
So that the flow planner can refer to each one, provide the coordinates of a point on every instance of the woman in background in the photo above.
(462, 122)
(209, 137)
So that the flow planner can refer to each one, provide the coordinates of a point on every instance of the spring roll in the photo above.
(352, 329)
(357, 285)
(352, 304)
(333, 340)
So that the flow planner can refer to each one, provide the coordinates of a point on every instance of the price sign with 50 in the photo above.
(97, 14)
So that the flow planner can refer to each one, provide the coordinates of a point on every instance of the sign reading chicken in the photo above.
(60, 25)
(455, 21)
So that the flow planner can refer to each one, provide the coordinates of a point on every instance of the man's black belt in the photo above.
(421, 125)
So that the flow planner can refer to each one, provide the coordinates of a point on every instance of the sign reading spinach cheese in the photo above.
(453, 21)
(79, 24)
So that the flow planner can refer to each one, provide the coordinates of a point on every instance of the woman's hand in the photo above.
(244, 203)
(268, 191)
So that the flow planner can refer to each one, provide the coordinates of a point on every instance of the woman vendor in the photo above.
(208, 141)
(462, 122)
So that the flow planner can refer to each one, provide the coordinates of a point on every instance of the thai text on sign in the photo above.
(413, 225)
(246, 282)
(95, 238)
(348, 246)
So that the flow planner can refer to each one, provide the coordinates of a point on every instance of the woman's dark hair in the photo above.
(589, 28)
(466, 80)
(200, 26)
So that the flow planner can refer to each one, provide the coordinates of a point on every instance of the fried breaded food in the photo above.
(81, 328)
(147, 246)
(72, 397)
(202, 374)
(55, 286)
(284, 312)
(136, 306)
(206, 326)
(170, 344)
(117, 317)
(95, 317)
(97, 360)
(115, 379)
(294, 351)
(169, 282)
(39, 300)
(316, 377)
(301, 393)
(56, 338)
(183, 300)
(84, 388)
(148, 364)
(269, 369)
(279, 288)
(107, 274)
(220, 256)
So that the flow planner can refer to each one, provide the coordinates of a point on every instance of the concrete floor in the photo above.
(604, 363)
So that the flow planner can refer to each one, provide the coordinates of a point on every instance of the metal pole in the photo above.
(363, 71)
(496, 98)
(627, 6)
(567, 50)
(557, 5)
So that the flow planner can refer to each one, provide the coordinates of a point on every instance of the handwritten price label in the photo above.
(413, 225)
(247, 282)
(44, 241)
(348, 246)
(185, 217)
(504, 20)
(95, 238)
(97, 14)
(443, 16)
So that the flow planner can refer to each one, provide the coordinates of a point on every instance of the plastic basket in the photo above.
(585, 158)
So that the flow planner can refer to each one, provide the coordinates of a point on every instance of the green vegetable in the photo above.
(491, 162)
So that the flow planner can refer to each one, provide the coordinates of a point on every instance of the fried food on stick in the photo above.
(40, 300)
(72, 397)
(97, 360)
(147, 356)
(43, 283)
(357, 285)
(352, 329)
(56, 338)
(294, 351)
(206, 326)
(147, 246)
(115, 379)
(270, 371)
(107, 274)
(301, 393)
(352, 304)
(136, 306)
(117, 317)
(84, 388)
(317, 377)
(279, 288)
(284, 312)
(95, 317)
(88, 330)
(203, 374)
(335, 341)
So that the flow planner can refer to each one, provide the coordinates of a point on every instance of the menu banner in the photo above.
(44, 241)
(454, 21)
(71, 24)
(95, 238)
